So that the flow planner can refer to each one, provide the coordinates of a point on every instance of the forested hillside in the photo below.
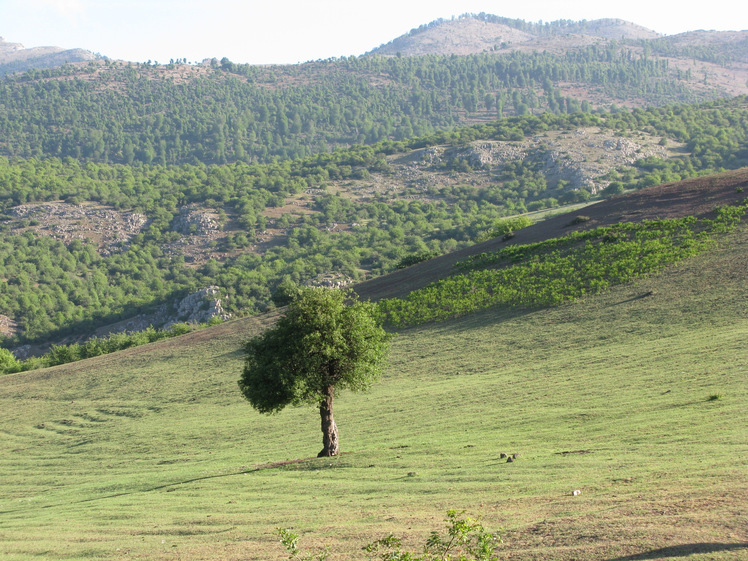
(551, 216)
(334, 217)
(125, 187)
(177, 113)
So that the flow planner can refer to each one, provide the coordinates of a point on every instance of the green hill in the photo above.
(90, 247)
(137, 194)
(636, 397)
(122, 112)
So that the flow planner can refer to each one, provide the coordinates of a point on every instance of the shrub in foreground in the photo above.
(465, 540)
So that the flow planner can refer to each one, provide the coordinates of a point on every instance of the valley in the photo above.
(548, 218)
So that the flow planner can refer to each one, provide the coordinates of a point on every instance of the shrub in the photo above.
(578, 220)
(554, 271)
(504, 227)
(613, 188)
(465, 540)
(409, 260)
(8, 362)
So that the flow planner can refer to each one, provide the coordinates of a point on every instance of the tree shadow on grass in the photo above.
(684, 550)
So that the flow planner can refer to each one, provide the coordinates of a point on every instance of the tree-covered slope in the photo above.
(170, 114)
(87, 245)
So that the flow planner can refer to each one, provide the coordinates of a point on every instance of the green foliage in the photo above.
(560, 379)
(559, 270)
(613, 188)
(57, 289)
(286, 292)
(8, 362)
(465, 540)
(320, 342)
(290, 542)
(504, 227)
(240, 113)
(409, 260)
(95, 346)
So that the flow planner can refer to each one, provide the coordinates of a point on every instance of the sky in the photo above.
(292, 31)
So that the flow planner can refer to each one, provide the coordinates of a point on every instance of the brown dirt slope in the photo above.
(693, 197)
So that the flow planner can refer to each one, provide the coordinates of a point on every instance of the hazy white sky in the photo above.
(290, 31)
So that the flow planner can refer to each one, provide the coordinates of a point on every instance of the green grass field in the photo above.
(151, 453)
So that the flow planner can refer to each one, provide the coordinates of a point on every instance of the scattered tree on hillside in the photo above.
(321, 345)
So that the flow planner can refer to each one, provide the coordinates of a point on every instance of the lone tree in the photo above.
(320, 346)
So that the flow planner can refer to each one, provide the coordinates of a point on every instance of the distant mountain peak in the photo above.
(477, 33)
(14, 57)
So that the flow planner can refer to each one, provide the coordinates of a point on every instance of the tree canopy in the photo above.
(322, 344)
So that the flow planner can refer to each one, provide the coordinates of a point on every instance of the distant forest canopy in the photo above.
(54, 289)
(127, 113)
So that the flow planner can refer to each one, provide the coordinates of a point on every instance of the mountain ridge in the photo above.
(471, 34)
(14, 57)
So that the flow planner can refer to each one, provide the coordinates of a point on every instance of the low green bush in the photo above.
(551, 272)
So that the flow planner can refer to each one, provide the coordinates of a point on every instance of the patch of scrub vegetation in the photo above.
(96, 346)
(551, 272)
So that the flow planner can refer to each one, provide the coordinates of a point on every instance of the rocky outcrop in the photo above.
(580, 158)
(192, 220)
(200, 307)
(14, 57)
(8, 327)
(109, 229)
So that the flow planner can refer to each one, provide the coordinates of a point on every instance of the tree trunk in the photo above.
(329, 429)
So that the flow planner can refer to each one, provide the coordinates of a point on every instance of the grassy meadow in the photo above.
(636, 397)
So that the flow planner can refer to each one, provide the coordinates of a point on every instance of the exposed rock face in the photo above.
(460, 37)
(192, 220)
(581, 158)
(331, 280)
(110, 230)
(469, 35)
(14, 57)
(8, 327)
(200, 307)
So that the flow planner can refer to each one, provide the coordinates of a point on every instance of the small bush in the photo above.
(505, 227)
(613, 188)
(180, 329)
(409, 260)
(579, 220)
(8, 362)
(465, 540)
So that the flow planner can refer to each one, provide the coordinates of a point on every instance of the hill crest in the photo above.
(472, 34)
(14, 57)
